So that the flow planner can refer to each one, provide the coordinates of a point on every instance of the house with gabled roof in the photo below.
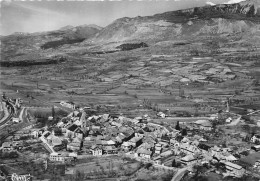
(136, 141)
(158, 148)
(144, 153)
(255, 138)
(96, 150)
(7, 146)
(127, 146)
(78, 133)
(75, 145)
(146, 145)
(190, 159)
(110, 150)
(188, 149)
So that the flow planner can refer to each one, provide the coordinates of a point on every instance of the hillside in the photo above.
(27, 46)
(218, 19)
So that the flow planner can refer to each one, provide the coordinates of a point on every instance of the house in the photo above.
(62, 157)
(110, 143)
(203, 124)
(126, 146)
(144, 153)
(50, 118)
(229, 120)
(190, 159)
(96, 150)
(189, 149)
(226, 150)
(167, 153)
(57, 157)
(230, 158)
(110, 150)
(157, 160)
(215, 149)
(256, 147)
(35, 134)
(120, 138)
(7, 147)
(235, 169)
(204, 147)
(78, 133)
(158, 148)
(16, 120)
(257, 164)
(161, 114)
(116, 124)
(174, 142)
(173, 132)
(75, 145)
(88, 142)
(135, 141)
(255, 139)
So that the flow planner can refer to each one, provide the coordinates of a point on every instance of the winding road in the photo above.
(7, 116)
(180, 173)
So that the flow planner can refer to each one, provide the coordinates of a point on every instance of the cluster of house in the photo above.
(105, 135)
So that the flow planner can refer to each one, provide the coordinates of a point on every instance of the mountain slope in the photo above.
(25, 45)
(224, 18)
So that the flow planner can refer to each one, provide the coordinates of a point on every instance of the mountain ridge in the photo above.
(225, 19)
(173, 23)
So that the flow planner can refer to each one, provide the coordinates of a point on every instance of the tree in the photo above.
(177, 127)
(251, 12)
(173, 163)
(13, 154)
(184, 132)
(57, 132)
(214, 125)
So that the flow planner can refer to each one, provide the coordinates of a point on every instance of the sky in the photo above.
(38, 16)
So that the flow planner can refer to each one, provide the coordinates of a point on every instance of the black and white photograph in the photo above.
(130, 90)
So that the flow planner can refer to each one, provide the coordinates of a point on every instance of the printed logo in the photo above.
(16, 177)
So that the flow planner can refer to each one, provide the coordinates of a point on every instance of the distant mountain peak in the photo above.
(66, 27)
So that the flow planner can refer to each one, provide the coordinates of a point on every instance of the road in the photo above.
(180, 119)
(233, 123)
(45, 143)
(180, 173)
(6, 113)
(21, 114)
(170, 159)
(8, 116)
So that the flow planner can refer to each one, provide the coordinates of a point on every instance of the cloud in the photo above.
(210, 3)
(37, 10)
(29, 18)
(233, 1)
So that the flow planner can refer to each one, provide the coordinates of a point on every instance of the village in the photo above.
(184, 147)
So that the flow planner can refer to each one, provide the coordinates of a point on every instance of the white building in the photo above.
(16, 120)
(255, 138)
(62, 157)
